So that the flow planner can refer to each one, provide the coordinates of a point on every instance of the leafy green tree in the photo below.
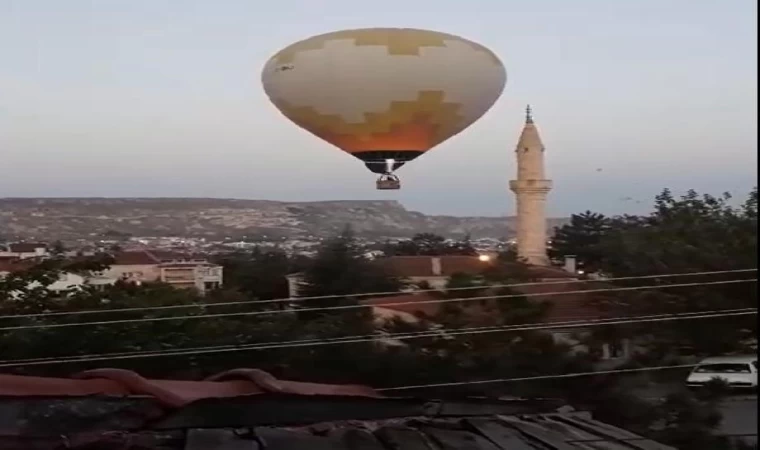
(693, 233)
(463, 247)
(509, 254)
(261, 273)
(581, 238)
(463, 284)
(429, 244)
(690, 233)
(58, 248)
(340, 268)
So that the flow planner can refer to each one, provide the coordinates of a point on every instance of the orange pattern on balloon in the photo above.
(418, 135)
(418, 124)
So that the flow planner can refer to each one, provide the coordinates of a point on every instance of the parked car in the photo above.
(736, 371)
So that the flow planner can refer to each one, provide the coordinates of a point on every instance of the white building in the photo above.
(24, 250)
(138, 267)
(66, 282)
(181, 271)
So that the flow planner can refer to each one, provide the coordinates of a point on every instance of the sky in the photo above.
(162, 98)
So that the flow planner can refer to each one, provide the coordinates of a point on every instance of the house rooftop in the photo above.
(189, 264)
(168, 255)
(170, 393)
(16, 265)
(431, 266)
(121, 410)
(415, 304)
(26, 247)
(448, 265)
(135, 258)
(571, 304)
(568, 306)
(150, 257)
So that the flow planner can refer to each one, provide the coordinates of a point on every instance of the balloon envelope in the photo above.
(384, 93)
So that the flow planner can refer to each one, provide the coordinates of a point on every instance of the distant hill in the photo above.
(93, 218)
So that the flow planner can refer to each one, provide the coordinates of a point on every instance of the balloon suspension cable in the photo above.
(388, 180)
(389, 163)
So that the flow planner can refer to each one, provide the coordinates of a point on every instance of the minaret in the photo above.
(531, 188)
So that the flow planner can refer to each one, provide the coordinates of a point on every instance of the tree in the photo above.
(691, 233)
(463, 284)
(261, 273)
(581, 238)
(340, 269)
(429, 244)
(31, 297)
(58, 248)
(462, 247)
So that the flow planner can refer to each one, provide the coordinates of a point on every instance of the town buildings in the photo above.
(179, 270)
(176, 269)
(427, 277)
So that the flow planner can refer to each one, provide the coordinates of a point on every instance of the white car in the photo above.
(736, 371)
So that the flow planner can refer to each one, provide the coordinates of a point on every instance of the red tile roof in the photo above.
(171, 393)
(539, 272)
(168, 256)
(565, 307)
(25, 247)
(187, 265)
(16, 265)
(423, 266)
(427, 309)
(135, 258)
(568, 306)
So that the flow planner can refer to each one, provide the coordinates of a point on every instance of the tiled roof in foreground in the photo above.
(292, 419)
(169, 393)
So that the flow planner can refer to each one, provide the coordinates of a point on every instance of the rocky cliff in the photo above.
(93, 218)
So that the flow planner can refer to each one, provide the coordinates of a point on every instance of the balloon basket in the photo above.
(387, 182)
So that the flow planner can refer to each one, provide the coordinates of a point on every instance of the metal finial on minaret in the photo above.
(528, 114)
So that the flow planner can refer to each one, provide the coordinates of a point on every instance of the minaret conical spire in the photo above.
(530, 138)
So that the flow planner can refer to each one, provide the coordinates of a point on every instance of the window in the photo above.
(615, 348)
(723, 368)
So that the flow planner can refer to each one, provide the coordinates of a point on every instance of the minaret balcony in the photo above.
(530, 186)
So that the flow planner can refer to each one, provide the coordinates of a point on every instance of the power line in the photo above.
(537, 377)
(374, 337)
(371, 294)
(582, 441)
(349, 307)
(430, 332)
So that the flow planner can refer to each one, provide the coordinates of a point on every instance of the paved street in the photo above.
(740, 416)
(739, 410)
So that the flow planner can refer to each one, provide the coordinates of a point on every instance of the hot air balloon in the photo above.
(384, 95)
